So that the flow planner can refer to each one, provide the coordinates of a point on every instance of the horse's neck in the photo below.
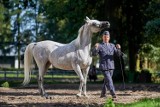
(84, 38)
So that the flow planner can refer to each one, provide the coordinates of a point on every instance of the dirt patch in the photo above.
(64, 95)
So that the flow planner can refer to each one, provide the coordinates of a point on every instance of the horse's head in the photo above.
(96, 25)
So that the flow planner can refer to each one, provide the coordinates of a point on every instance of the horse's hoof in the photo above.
(86, 96)
(78, 95)
(48, 97)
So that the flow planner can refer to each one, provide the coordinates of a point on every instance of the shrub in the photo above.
(109, 103)
(5, 84)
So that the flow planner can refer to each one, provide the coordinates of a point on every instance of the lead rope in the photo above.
(124, 85)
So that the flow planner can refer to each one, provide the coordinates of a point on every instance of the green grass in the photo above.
(18, 83)
(46, 76)
(48, 79)
(142, 103)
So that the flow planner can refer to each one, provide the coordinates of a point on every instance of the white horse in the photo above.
(72, 56)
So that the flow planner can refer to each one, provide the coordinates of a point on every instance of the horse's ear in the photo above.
(87, 19)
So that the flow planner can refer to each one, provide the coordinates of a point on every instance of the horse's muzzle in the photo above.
(105, 24)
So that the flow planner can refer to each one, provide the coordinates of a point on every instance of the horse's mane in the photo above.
(81, 31)
(78, 39)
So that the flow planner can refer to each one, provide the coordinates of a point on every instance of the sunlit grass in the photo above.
(20, 75)
(146, 102)
(143, 103)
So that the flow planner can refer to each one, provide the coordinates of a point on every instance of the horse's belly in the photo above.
(62, 65)
(61, 62)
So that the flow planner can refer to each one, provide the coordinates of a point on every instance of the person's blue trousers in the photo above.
(108, 82)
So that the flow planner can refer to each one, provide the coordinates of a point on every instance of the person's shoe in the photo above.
(114, 96)
(103, 96)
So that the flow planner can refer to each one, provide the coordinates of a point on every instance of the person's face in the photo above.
(106, 38)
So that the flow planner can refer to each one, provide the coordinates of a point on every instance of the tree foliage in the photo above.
(150, 46)
(66, 18)
(152, 27)
(133, 22)
(5, 27)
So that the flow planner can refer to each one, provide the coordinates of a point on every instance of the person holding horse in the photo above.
(106, 53)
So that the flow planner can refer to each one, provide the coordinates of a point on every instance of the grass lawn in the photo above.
(20, 75)
(141, 103)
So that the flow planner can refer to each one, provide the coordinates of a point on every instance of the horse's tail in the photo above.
(28, 59)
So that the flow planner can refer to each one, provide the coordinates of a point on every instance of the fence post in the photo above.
(5, 75)
(52, 74)
(17, 74)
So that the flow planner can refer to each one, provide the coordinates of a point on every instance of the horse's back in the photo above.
(49, 44)
(41, 50)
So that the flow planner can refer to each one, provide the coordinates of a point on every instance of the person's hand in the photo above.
(96, 45)
(118, 46)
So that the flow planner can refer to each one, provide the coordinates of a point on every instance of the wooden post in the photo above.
(5, 75)
(17, 74)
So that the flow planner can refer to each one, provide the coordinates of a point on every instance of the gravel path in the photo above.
(64, 95)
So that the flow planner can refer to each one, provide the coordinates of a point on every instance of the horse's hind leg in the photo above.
(42, 71)
(40, 82)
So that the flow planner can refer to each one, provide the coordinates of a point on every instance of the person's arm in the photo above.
(95, 50)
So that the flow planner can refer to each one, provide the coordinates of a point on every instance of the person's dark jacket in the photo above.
(106, 54)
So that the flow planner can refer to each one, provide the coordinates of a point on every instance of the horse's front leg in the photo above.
(77, 69)
(85, 75)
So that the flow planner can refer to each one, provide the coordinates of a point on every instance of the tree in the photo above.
(66, 17)
(59, 20)
(152, 27)
(5, 30)
(11, 20)
(135, 20)
(150, 48)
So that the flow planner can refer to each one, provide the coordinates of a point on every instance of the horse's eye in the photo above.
(94, 24)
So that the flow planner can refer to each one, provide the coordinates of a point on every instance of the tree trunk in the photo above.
(18, 40)
(132, 53)
(131, 36)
